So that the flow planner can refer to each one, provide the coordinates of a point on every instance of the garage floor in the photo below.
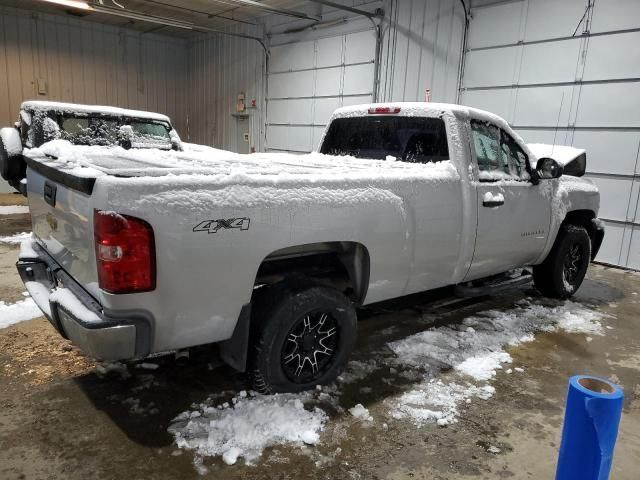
(64, 416)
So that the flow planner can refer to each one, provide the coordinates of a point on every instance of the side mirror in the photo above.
(547, 168)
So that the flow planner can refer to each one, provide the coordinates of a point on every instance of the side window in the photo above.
(493, 164)
(515, 156)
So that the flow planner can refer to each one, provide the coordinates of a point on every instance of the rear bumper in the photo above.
(78, 316)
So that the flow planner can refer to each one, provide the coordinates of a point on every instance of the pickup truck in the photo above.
(267, 256)
(43, 121)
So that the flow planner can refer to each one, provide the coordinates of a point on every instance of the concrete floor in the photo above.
(61, 416)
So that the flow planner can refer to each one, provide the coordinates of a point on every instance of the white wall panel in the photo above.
(495, 101)
(581, 91)
(552, 18)
(633, 259)
(360, 47)
(543, 106)
(293, 56)
(318, 132)
(421, 50)
(354, 79)
(329, 51)
(291, 111)
(328, 81)
(609, 151)
(496, 25)
(613, 244)
(609, 57)
(617, 191)
(611, 15)
(291, 85)
(549, 62)
(324, 107)
(609, 105)
(485, 68)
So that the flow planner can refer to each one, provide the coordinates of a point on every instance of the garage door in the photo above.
(308, 80)
(525, 63)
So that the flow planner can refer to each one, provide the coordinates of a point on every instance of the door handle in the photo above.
(492, 200)
(50, 190)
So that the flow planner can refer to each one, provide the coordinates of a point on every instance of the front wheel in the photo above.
(563, 271)
(302, 336)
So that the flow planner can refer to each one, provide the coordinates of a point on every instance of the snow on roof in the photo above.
(560, 153)
(428, 109)
(31, 105)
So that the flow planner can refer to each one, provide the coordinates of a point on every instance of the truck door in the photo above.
(514, 215)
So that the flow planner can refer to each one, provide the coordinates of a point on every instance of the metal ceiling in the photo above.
(172, 17)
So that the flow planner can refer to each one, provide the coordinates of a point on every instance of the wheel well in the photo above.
(584, 218)
(341, 265)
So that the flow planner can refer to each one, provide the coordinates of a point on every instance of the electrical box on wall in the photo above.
(240, 105)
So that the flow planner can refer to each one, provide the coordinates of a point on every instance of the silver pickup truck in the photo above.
(267, 256)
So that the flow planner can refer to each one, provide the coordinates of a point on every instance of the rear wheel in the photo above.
(563, 271)
(302, 336)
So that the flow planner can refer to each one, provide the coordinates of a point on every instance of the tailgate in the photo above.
(62, 219)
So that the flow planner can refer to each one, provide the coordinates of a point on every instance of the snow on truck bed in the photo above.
(238, 180)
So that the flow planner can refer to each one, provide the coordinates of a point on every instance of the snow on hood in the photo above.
(560, 153)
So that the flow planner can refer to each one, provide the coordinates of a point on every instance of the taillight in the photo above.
(125, 253)
(383, 110)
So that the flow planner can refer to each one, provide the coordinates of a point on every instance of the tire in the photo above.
(12, 167)
(302, 335)
(563, 271)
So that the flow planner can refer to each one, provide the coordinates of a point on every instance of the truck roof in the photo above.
(415, 109)
(35, 105)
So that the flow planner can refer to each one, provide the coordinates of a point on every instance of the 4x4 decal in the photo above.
(212, 226)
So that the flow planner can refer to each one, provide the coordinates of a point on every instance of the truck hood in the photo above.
(573, 160)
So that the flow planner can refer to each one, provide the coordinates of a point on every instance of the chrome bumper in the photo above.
(105, 337)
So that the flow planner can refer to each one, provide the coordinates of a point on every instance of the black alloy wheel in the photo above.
(310, 347)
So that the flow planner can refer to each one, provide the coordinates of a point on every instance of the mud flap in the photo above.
(234, 351)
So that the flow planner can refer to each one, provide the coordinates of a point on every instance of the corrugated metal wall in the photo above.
(220, 68)
(315, 71)
(421, 50)
(525, 63)
(85, 62)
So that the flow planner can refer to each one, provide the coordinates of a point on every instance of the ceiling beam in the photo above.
(357, 11)
(198, 12)
(276, 10)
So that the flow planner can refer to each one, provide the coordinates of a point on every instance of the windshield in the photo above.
(410, 139)
(105, 131)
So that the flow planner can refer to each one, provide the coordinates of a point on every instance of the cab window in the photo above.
(497, 153)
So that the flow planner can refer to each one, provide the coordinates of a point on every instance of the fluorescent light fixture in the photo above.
(71, 3)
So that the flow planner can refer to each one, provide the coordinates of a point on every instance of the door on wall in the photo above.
(242, 134)
(309, 79)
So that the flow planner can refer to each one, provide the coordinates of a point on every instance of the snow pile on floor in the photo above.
(13, 209)
(15, 239)
(474, 349)
(361, 413)
(13, 313)
(437, 402)
(247, 425)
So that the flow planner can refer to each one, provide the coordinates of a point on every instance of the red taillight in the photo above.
(383, 110)
(125, 253)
